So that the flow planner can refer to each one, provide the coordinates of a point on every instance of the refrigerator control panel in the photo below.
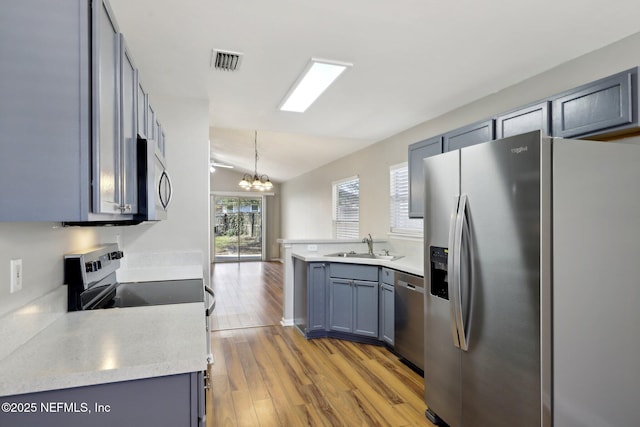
(439, 272)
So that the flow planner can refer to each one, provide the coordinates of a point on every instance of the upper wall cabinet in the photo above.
(45, 111)
(469, 135)
(606, 106)
(142, 104)
(417, 152)
(68, 114)
(106, 110)
(523, 120)
(128, 128)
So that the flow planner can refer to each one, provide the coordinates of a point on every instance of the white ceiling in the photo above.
(413, 60)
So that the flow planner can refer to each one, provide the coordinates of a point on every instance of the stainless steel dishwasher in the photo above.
(409, 318)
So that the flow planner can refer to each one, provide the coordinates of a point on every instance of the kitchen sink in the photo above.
(353, 254)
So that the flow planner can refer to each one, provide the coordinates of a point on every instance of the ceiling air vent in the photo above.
(225, 60)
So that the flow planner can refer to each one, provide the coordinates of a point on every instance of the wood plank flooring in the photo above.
(272, 376)
(247, 294)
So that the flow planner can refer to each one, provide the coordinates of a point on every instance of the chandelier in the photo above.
(256, 182)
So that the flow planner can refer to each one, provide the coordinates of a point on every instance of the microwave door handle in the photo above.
(170, 188)
(165, 177)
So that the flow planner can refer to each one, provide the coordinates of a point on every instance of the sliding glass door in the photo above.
(237, 228)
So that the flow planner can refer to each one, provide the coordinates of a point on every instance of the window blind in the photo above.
(399, 202)
(346, 208)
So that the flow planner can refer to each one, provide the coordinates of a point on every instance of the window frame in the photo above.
(334, 207)
(396, 228)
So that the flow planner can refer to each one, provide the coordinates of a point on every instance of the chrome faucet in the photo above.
(369, 242)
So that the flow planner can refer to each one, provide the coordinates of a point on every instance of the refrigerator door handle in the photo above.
(451, 268)
(461, 225)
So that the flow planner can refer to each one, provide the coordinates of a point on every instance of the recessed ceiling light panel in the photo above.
(315, 79)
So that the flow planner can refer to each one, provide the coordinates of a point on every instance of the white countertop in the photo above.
(102, 346)
(405, 264)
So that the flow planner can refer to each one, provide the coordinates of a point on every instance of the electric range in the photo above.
(91, 279)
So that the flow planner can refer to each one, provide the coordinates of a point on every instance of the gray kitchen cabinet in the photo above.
(387, 306)
(341, 305)
(106, 119)
(387, 276)
(525, 119)
(44, 111)
(161, 146)
(353, 299)
(300, 292)
(62, 144)
(317, 296)
(418, 152)
(142, 106)
(152, 130)
(115, 117)
(605, 106)
(387, 318)
(472, 134)
(310, 284)
(175, 400)
(129, 132)
(365, 315)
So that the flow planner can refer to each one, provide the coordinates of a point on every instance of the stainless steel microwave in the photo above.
(154, 183)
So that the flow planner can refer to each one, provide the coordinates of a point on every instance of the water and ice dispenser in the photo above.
(439, 276)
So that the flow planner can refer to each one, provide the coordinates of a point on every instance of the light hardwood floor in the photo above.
(269, 375)
(247, 294)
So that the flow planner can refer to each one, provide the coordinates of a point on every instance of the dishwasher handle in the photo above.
(410, 286)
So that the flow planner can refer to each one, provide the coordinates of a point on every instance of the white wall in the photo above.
(226, 181)
(42, 245)
(186, 125)
(306, 200)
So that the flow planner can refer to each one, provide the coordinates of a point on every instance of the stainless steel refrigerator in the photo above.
(532, 284)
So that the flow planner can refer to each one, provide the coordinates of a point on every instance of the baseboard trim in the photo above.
(286, 322)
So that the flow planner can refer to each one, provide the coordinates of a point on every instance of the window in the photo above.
(346, 208)
(399, 200)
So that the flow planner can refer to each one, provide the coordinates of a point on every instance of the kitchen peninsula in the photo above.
(316, 249)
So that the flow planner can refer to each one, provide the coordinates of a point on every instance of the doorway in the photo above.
(237, 228)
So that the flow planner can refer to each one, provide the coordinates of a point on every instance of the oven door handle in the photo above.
(212, 306)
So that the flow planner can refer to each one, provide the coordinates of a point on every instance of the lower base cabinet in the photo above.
(353, 306)
(343, 300)
(175, 400)
(387, 313)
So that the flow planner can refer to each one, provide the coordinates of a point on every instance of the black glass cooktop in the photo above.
(136, 294)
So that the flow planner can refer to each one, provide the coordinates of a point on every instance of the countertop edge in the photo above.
(403, 264)
(91, 378)
(39, 366)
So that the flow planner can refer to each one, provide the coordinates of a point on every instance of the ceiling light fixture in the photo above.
(315, 79)
(213, 165)
(257, 182)
(221, 165)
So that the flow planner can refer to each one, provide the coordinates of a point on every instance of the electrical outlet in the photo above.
(312, 248)
(16, 275)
